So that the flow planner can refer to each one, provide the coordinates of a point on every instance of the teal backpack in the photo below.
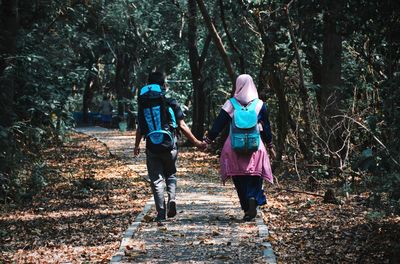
(245, 134)
(156, 119)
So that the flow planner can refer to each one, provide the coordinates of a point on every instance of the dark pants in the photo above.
(162, 171)
(247, 187)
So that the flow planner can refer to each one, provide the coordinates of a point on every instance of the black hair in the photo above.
(156, 78)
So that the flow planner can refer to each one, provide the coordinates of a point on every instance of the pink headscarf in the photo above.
(245, 92)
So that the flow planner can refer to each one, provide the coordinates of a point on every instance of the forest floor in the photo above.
(91, 197)
(303, 229)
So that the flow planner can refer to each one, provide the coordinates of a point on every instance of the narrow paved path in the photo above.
(207, 229)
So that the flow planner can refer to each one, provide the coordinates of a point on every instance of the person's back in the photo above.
(106, 111)
(161, 163)
(247, 167)
(105, 107)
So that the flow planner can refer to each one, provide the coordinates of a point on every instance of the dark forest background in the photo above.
(328, 70)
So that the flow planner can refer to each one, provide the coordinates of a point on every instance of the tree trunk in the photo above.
(87, 97)
(122, 82)
(195, 69)
(217, 41)
(262, 85)
(303, 93)
(196, 65)
(330, 95)
(314, 63)
(8, 34)
(331, 65)
(283, 113)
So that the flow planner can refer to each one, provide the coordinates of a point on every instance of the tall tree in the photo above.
(330, 95)
(8, 34)
(122, 81)
(302, 89)
(196, 65)
(92, 85)
(331, 61)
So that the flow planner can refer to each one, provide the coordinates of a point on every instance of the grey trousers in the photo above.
(161, 168)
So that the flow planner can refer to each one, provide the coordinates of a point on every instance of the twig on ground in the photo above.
(297, 191)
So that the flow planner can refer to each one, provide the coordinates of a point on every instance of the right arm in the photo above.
(183, 126)
(186, 131)
(219, 124)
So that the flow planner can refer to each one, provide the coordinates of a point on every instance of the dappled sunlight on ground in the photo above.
(81, 214)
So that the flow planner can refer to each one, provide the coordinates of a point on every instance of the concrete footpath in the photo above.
(207, 229)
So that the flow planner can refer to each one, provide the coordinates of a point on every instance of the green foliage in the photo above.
(37, 179)
(375, 216)
(64, 47)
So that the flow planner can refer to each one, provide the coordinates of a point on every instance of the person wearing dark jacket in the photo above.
(250, 169)
(161, 167)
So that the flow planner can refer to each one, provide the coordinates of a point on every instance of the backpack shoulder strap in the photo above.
(235, 103)
(172, 116)
(252, 106)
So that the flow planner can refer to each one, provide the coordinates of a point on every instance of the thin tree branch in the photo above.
(296, 191)
(377, 139)
(231, 43)
(217, 40)
(302, 88)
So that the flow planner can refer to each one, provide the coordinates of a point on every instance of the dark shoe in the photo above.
(171, 209)
(247, 218)
(252, 212)
(160, 217)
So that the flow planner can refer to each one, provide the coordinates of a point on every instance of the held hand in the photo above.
(201, 145)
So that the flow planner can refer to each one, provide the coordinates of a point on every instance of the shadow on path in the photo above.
(208, 227)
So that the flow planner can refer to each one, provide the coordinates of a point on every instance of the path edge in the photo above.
(81, 130)
(129, 233)
(267, 253)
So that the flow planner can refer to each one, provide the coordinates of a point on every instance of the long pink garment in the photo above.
(254, 164)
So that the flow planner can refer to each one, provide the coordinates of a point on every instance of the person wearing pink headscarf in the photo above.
(246, 170)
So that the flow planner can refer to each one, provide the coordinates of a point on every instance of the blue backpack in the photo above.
(245, 134)
(156, 119)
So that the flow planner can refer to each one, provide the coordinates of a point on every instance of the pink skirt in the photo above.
(236, 164)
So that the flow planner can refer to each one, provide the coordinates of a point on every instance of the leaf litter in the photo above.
(303, 229)
(92, 197)
(80, 216)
